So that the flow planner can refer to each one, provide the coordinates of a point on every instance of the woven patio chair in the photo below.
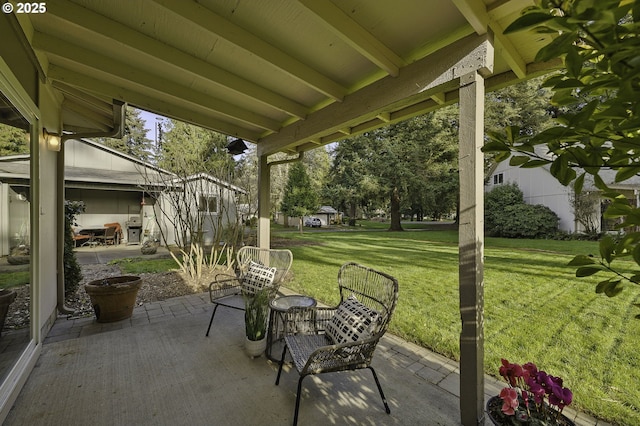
(256, 268)
(342, 338)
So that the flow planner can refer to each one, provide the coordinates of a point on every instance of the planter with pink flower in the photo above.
(532, 397)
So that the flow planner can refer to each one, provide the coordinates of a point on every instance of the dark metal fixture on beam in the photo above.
(236, 147)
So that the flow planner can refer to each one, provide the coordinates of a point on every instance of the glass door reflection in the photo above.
(15, 235)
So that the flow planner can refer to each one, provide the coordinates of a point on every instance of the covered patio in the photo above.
(287, 75)
(158, 368)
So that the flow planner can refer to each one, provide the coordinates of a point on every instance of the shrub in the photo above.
(506, 215)
(527, 221)
(72, 271)
(496, 201)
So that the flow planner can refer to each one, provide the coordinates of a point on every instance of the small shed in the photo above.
(327, 215)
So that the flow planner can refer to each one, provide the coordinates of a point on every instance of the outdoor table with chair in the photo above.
(319, 339)
(279, 325)
(107, 234)
(94, 233)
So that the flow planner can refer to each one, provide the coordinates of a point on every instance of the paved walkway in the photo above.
(84, 367)
(430, 368)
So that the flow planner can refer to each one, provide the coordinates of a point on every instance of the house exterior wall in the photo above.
(538, 187)
(226, 210)
(102, 206)
(80, 154)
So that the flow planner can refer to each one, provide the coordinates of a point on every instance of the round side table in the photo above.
(278, 324)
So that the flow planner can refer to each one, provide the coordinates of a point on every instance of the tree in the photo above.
(134, 142)
(411, 167)
(597, 128)
(317, 164)
(13, 140)
(299, 197)
(188, 149)
(192, 203)
(350, 182)
(433, 185)
(586, 206)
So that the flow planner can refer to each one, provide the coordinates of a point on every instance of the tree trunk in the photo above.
(352, 214)
(395, 211)
(300, 223)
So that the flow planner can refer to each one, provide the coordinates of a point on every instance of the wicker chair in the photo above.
(109, 237)
(342, 338)
(227, 290)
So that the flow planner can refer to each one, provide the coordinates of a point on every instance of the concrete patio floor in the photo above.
(158, 368)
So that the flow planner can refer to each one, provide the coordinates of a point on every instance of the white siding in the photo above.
(80, 154)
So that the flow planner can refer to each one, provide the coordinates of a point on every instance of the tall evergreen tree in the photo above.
(410, 166)
(351, 183)
(299, 197)
(135, 141)
(187, 149)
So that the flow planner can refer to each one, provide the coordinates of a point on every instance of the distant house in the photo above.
(540, 187)
(326, 214)
(115, 187)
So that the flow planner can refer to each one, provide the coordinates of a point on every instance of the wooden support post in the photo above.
(471, 249)
(264, 203)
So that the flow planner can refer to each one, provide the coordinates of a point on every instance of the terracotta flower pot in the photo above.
(114, 298)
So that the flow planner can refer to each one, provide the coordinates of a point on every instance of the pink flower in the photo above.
(560, 397)
(531, 368)
(510, 401)
(539, 393)
(512, 372)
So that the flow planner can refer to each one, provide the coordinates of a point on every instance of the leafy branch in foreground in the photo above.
(597, 112)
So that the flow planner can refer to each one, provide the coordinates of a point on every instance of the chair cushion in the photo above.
(352, 321)
(257, 277)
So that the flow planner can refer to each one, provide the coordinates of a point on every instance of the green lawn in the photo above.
(140, 265)
(535, 308)
(14, 279)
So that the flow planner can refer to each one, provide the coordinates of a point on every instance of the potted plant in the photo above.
(255, 320)
(533, 397)
(113, 298)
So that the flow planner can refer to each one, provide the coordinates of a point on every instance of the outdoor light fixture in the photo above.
(53, 141)
(236, 147)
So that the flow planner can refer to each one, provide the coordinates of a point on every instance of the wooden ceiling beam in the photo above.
(75, 15)
(356, 36)
(146, 102)
(70, 52)
(417, 82)
(216, 24)
(475, 12)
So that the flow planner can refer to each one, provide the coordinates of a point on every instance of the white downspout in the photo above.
(118, 112)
